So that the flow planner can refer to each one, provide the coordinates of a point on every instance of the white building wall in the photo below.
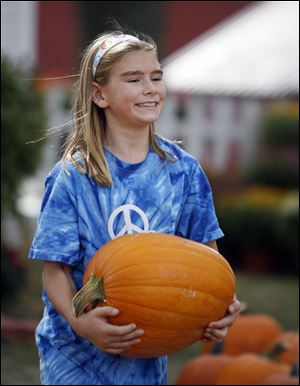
(19, 31)
(221, 127)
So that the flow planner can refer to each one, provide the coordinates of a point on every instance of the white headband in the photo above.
(107, 45)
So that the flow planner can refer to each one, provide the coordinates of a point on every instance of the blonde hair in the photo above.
(89, 119)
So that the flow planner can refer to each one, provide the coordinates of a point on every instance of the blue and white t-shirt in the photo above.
(78, 216)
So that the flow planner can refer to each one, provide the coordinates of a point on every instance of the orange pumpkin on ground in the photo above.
(249, 333)
(281, 379)
(291, 341)
(168, 286)
(202, 370)
(249, 369)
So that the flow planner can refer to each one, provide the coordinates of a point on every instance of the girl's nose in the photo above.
(149, 87)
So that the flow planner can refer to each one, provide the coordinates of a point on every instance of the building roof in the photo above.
(254, 54)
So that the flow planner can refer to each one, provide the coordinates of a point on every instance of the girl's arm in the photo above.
(217, 330)
(93, 325)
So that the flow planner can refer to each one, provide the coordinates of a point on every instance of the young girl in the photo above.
(116, 177)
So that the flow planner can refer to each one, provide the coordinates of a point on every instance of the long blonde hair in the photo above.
(89, 119)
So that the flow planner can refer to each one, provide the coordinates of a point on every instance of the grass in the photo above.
(273, 295)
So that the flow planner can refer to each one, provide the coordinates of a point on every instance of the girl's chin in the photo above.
(147, 118)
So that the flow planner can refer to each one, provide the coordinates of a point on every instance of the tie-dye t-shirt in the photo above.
(78, 216)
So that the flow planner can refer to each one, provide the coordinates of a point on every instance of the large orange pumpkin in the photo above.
(169, 286)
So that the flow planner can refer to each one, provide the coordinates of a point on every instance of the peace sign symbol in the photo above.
(128, 227)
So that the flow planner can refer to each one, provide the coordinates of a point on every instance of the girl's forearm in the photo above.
(60, 288)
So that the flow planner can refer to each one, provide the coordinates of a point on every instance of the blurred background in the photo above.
(232, 75)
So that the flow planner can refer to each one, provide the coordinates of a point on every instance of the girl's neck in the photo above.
(127, 144)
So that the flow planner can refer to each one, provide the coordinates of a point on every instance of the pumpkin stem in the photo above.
(91, 292)
(218, 348)
(275, 350)
(294, 370)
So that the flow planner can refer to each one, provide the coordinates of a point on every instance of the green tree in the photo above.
(23, 120)
(277, 163)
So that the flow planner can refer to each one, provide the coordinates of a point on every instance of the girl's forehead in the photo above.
(138, 61)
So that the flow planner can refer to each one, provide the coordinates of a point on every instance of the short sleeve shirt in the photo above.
(78, 216)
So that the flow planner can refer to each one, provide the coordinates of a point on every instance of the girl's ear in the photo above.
(98, 96)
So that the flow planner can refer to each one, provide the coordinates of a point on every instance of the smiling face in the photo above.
(135, 92)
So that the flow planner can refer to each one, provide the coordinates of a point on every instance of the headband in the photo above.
(107, 45)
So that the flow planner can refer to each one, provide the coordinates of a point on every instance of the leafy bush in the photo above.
(22, 120)
(277, 161)
(261, 221)
(280, 130)
(273, 172)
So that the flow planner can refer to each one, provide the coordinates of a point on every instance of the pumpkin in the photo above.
(284, 379)
(249, 333)
(249, 369)
(281, 379)
(169, 286)
(291, 340)
(202, 370)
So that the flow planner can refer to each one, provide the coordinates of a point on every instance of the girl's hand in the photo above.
(112, 339)
(217, 331)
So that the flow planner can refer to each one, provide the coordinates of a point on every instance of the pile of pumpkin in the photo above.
(256, 351)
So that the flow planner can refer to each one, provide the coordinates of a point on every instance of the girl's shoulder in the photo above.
(64, 173)
(182, 157)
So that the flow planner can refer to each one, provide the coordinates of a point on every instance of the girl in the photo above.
(116, 176)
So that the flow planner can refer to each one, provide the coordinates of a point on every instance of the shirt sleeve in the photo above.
(198, 220)
(57, 237)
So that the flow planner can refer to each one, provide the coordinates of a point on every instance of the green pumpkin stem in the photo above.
(91, 292)
(274, 352)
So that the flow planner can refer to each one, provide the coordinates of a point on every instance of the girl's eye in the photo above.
(133, 80)
(157, 79)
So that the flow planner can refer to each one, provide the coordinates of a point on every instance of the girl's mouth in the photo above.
(147, 104)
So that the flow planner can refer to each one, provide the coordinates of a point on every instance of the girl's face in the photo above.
(135, 92)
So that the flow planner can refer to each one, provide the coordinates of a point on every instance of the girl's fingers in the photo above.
(222, 323)
(216, 335)
(125, 338)
(124, 345)
(235, 307)
(119, 330)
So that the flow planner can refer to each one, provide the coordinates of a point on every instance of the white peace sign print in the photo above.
(128, 227)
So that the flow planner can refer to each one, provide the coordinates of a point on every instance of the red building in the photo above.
(60, 39)
(186, 20)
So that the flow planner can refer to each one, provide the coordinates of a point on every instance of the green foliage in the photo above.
(261, 221)
(273, 172)
(278, 161)
(22, 120)
(280, 131)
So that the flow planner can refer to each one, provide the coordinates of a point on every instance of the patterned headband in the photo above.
(107, 45)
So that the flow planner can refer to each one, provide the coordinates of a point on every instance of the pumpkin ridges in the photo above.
(112, 284)
(168, 241)
(203, 315)
(127, 260)
(152, 261)
(146, 259)
(152, 314)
